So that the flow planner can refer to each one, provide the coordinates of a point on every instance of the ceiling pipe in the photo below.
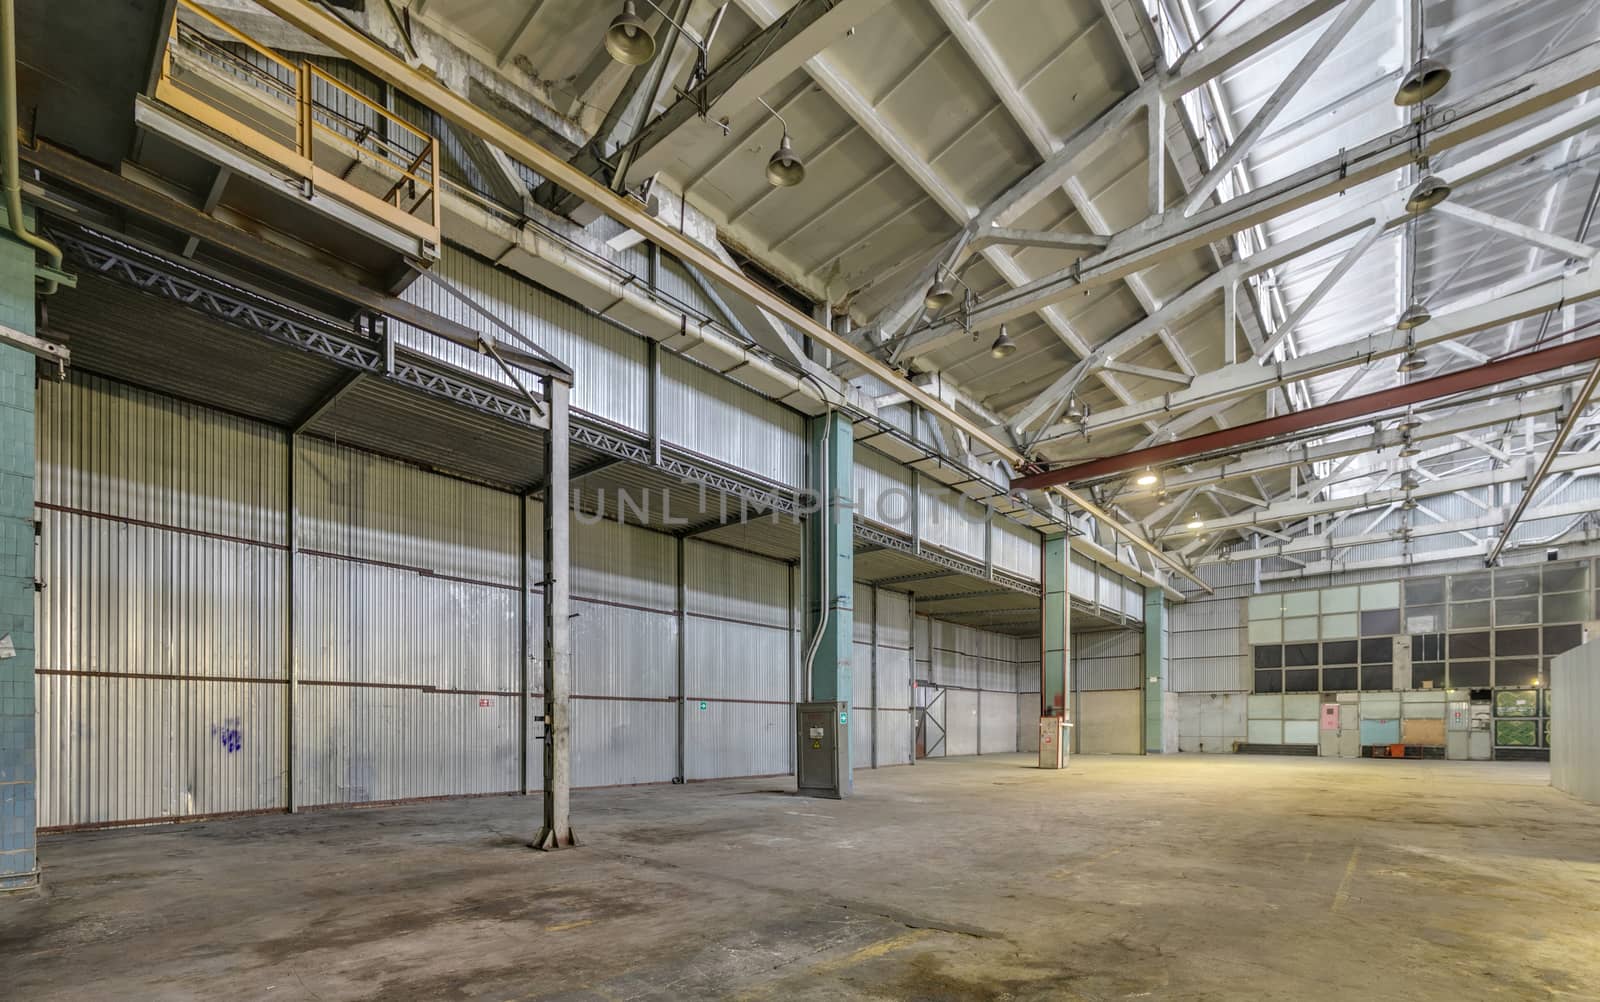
(1489, 374)
(8, 145)
(1579, 404)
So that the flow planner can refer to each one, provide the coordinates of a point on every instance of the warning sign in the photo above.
(816, 744)
(486, 702)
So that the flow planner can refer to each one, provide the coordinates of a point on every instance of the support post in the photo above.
(524, 620)
(291, 663)
(682, 655)
(1155, 672)
(557, 830)
(1055, 651)
(877, 718)
(830, 568)
(19, 865)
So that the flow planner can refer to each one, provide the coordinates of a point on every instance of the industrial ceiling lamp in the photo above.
(628, 39)
(1409, 424)
(1149, 478)
(1411, 361)
(1076, 411)
(1429, 192)
(1415, 316)
(1426, 78)
(1003, 346)
(1409, 448)
(1197, 523)
(785, 169)
(940, 295)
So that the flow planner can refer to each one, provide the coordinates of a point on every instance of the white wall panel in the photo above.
(961, 722)
(708, 414)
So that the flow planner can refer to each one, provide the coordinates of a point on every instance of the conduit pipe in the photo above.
(12, 165)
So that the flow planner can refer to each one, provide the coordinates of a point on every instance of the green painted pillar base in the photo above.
(1157, 739)
(18, 813)
(830, 566)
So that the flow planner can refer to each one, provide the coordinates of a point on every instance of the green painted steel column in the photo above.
(830, 562)
(1155, 671)
(1056, 614)
(18, 814)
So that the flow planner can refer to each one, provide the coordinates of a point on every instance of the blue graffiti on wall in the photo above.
(229, 733)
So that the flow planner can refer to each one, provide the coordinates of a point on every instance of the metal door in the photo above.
(930, 721)
(1349, 730)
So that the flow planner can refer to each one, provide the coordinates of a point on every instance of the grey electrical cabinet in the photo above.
(822, 763)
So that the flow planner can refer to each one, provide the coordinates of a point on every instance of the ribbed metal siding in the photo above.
(1083, 578)
(736, 659)
(894, 717)
(710, 415)
(614, 364)
(883, 490)
(1016, 548)
(951, 519)
(406, 633)
(177, 635)
(1107, 659)
(1209, 650)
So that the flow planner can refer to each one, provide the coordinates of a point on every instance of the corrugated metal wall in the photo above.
(711, 416)
(1208, 646)
(1107, 659)
(164, 682)
(978, 672)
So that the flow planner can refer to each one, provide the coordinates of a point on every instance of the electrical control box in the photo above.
(822, 762)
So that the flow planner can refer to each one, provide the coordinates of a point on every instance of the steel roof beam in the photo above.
(1143, 244)
(1519, 231)
(1579, 404)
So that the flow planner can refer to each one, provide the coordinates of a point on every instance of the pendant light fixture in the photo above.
(628, 39)
(1426, 77)
(940, 295)
(1197, 523)
(1003, 346)
(1076, 411)
(785, 169)
(1149, 478)
(1429, 192)
(1415, 316)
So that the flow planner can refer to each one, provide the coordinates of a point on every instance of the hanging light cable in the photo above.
(1426, 77)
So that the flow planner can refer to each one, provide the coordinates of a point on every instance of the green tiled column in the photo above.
(18, 817)
(1057, 617)
(830, 562)
(1155, 670)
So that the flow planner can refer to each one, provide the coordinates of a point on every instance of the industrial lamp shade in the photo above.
(785, 170)
(1076, 411)
(940, 295)
(628, 40)
(1426, 78)
(1409, 504)
(1415, 316)
(1429, 192)
(1410, 449)
(1003, 345)
(1411, 362)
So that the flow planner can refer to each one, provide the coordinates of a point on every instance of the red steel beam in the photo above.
(1489, 374)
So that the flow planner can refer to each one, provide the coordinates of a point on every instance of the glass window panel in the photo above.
(1424, 618)
(1266, 606)
(1516, 703)
(1299, 655)
(1545, 697)
(1561, 639)
(1509, 581)
(1300, 629)
(1469, 645)
(1467, 587)
(1566, 577)
(1269, 681)
(1468, 614)
(1300, 680)
(1464, 674)
(1266, 631)
(1516, 733)
(1379, 651)
(1569, 608)
(1383, 595)
(1341, 599)
(1427, 591)
(1427, 671)
(1339, 679)
(1384, 622)
(1516, 611)
(1516, 671)
(1269, 656)
(1375, 677)
(1344, 624)
(1300, 603)
(1516, 643)
(1340, 652)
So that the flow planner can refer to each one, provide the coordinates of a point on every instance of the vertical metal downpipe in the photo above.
(8, 146)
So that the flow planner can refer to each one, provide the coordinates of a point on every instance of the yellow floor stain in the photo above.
(563, 927)
(1342, 895)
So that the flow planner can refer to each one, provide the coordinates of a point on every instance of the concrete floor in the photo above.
(1172, 878)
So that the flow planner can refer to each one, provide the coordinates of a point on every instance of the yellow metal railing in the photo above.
(303, 118)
